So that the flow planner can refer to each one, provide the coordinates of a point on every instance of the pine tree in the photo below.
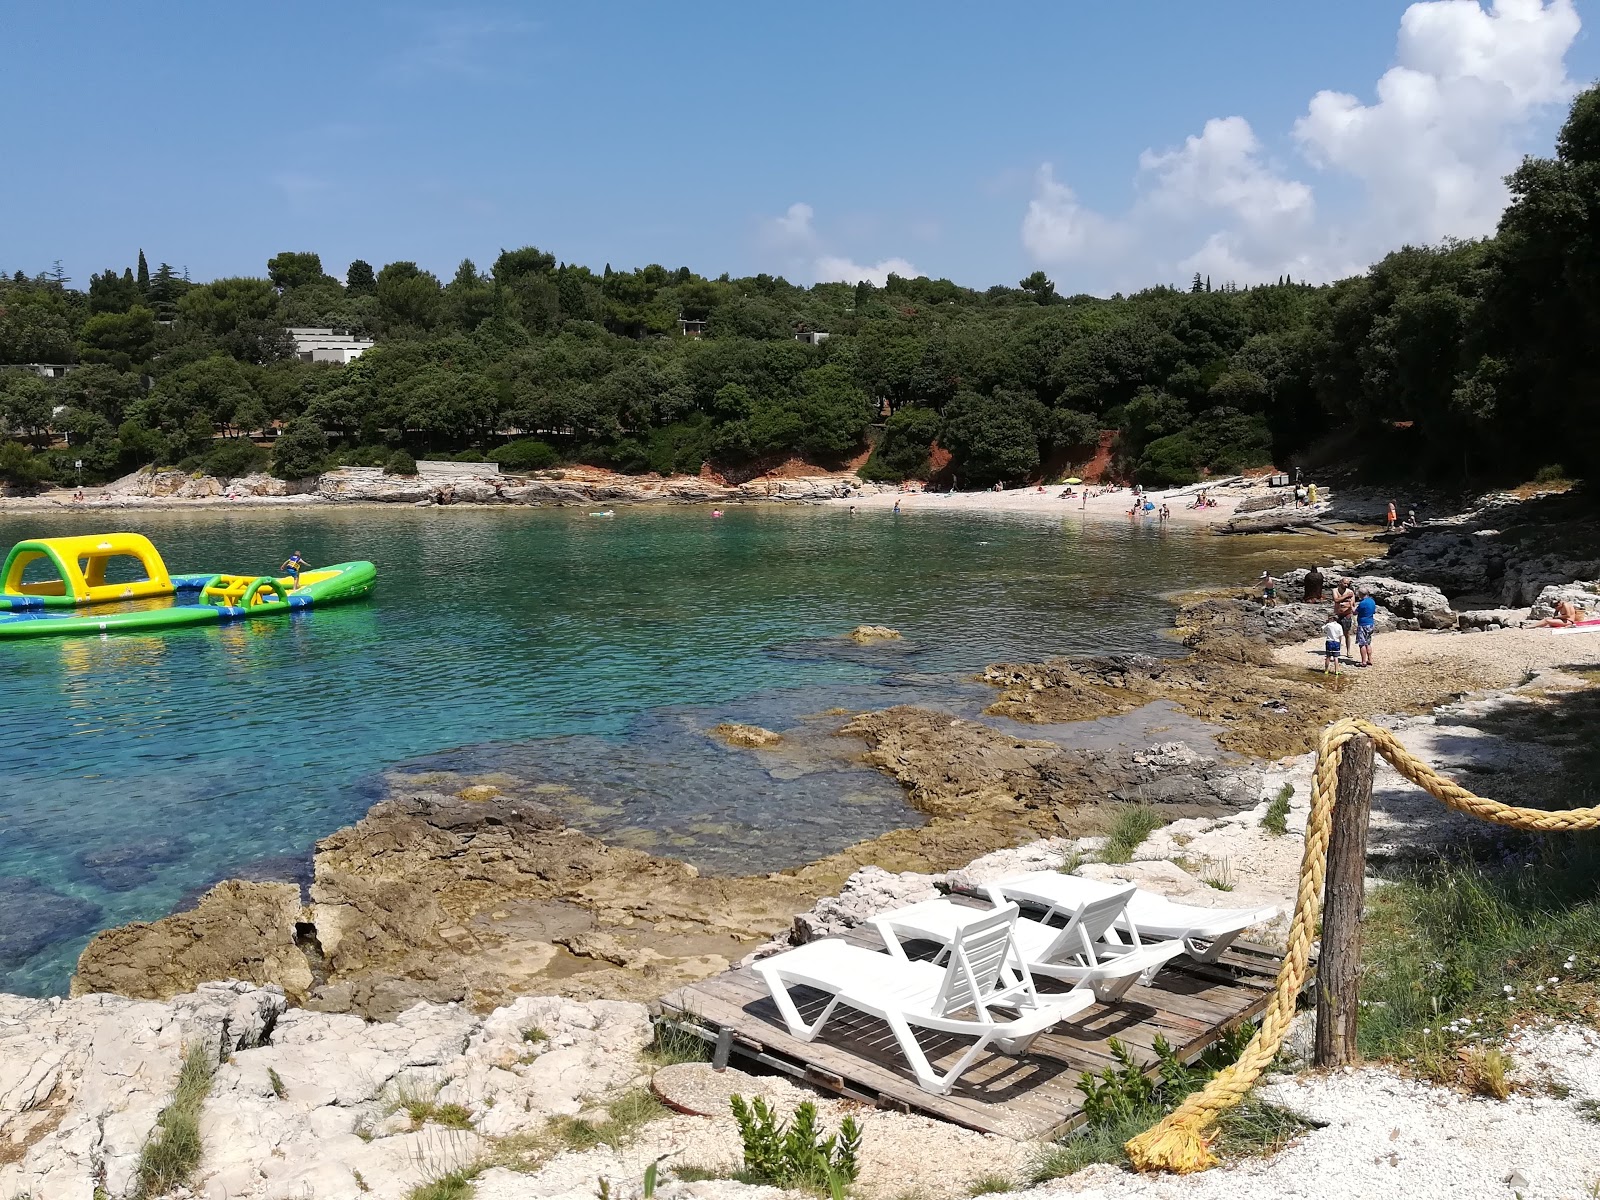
(144, 274)
(359, 279)
(1196, 286)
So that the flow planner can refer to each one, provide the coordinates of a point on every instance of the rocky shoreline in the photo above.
(443, 913)
(306, 1102)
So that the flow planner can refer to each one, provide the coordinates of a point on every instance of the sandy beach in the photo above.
(1104, 506)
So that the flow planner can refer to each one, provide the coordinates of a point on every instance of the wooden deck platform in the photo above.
(1031, 1097)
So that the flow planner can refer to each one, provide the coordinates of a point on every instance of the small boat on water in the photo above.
(118, 583)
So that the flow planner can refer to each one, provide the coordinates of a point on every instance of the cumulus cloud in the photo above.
(795, 235)
(832, 268)
(1057, 228)
(794, 227)
(1429, 155)
(1434, 147)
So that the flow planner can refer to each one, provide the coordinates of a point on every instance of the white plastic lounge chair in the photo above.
(902, 993)
(1086, 952)
(1205, 932)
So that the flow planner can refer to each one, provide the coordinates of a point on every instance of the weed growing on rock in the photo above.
(1488, 1072)
(534, 1035)
(670, 1043)
(1589, 1110)
(1219, 875)
(361, 1182)
(1276, 820)
(989, 1185)
(457, 1185)
(1130, 825)
(794, 1153)
(172, 1151)
(625, 1116)
(1124, 1100)
(276, 1081)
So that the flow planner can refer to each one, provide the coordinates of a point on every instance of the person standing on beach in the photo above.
(1366, 625)
(1332, 639)
(1344, 609)
(1391, 515)
(1269, 590)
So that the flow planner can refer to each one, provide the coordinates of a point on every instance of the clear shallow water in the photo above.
(585, 655)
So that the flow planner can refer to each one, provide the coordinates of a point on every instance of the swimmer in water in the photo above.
(716, 512)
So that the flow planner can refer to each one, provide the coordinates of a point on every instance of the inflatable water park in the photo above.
(118, 583)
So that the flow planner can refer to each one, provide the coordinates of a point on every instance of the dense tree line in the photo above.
(1461, 360)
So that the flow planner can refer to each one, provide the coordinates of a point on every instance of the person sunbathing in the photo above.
(1567, 613)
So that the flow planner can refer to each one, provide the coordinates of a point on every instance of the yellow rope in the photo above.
(1180, 1142)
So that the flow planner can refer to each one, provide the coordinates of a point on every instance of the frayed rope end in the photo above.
(1176, 1146)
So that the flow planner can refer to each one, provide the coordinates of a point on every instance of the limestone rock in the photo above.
(238, 930)
(750, 737)
(863, 634)
(868, 892)
(1585, 594)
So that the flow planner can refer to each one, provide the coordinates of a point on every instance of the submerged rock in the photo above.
(750, 737)
(862, 634)
(33, 916)
(120, 868)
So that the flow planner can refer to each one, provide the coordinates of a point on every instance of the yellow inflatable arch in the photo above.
(79, 565)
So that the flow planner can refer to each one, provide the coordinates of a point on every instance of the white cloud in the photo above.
(1449, 121)
(1433, 149)
(794, 227)
(832, 268)
(795, 235)
(1056, 227)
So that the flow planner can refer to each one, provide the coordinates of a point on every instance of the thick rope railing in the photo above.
(1181, 1142)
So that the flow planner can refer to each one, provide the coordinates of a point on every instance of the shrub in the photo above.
(1554, 473)
(301, 451)
(20, 466)
(1170, 461)
(902, 452)
(470, 456)
(525, 454)
(793, 1153)
(234, 457)
(400, 463)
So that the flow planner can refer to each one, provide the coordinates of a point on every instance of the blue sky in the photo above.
(1112, 144)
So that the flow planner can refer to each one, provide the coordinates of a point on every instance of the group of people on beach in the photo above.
(1354, 616)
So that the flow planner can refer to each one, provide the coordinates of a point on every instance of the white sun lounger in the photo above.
(978, 979)
(1087, 952)
(1205, 932)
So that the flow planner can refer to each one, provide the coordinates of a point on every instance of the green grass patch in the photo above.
(989, 1185)
(1276, 820)
(534, 1035)
(457, 1185)
(276, 1081)
(1130, 825)
(671, 1044)
(1456, 953)
(625, 1116)
(172, 1151)
(1123, 1101)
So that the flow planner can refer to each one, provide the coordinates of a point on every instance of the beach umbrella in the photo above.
(1074, 479)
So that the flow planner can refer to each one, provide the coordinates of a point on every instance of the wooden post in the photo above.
(1344, 893)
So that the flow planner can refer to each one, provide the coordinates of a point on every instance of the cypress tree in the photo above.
(144, 274)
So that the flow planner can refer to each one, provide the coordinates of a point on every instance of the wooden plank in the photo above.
(1036, 1096)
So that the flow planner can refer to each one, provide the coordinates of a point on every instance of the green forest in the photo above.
(1470, 361)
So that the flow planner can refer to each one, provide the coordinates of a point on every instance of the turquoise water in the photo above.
(583, 657)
